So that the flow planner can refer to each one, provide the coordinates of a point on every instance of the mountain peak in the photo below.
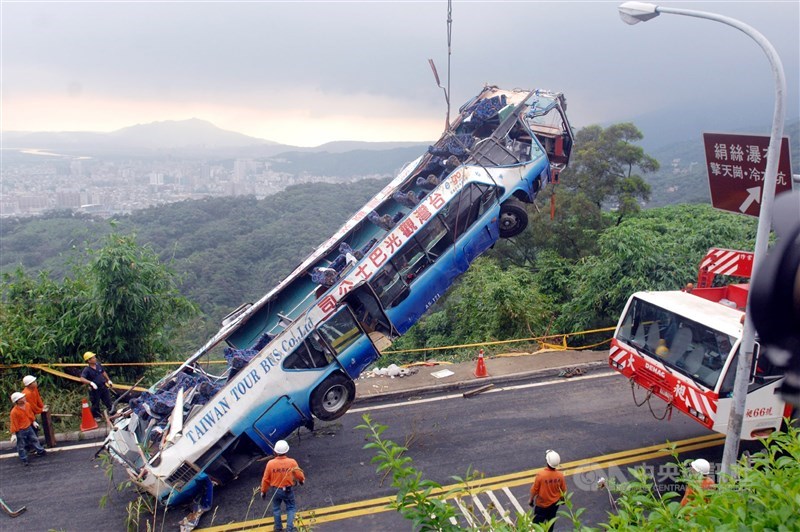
(184, 133)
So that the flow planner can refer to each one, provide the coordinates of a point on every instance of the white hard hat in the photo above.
(702, 466)
(552, 458)
(28, 379)
(16, 396)
(281, 447)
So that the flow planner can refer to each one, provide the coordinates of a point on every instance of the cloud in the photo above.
(360, 68)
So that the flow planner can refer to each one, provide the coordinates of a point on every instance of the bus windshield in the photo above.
(676, 341)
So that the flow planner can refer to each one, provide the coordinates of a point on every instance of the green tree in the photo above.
(135, 301)
(659, 249)
(606, 164)
(605, 171)
(120, 301)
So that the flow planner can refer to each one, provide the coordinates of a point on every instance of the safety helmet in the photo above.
(16, 396)
(28, 379)
(702, 466)
(88, 355)
(281, 447)
(552, 458)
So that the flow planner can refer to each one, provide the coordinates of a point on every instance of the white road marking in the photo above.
(481, 509)
(57, 449)
(493, 390)
(466, 513)
(513, 499)
(500, 509)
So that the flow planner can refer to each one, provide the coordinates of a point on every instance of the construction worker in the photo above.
(282, 473)
(31, 391)
(98, 381)
(22, 425)
(548, 488)
(662, 350)
(702, 467)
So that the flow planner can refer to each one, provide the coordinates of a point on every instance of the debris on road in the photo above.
(476, 391)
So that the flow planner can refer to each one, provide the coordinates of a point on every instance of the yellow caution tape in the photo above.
(539, 339)
(426, 363)
(107, 364)
(67, 376)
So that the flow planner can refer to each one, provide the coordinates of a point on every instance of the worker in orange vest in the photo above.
(281, 473)
(22, 424)
(548, 489)
(32, 397)
(702, 467)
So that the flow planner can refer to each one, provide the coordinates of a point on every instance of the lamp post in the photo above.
(635, 12)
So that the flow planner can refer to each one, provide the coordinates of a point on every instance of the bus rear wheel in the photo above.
(513, 218)
(332, 398)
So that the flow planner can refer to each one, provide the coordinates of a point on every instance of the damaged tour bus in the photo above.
(293, 354)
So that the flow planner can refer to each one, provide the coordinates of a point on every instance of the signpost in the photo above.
(736, 165)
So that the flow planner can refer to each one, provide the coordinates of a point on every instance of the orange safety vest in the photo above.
(707, 483)
(33, 399)
(21, 418)
(548, 487)
(281, 472)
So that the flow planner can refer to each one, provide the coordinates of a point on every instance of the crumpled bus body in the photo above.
(292, 356)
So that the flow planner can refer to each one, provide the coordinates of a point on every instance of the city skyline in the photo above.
(307, 73)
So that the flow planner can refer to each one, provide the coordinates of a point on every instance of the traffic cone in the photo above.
(480, 369)
(87, 419)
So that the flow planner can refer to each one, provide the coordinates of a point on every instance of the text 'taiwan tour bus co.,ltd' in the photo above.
(293, 354)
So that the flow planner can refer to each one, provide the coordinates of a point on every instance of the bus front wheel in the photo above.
(513, 218)
(333, 397)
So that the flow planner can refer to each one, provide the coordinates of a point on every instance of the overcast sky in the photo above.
(305, 73)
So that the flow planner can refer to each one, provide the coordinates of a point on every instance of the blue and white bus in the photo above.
(294, 353)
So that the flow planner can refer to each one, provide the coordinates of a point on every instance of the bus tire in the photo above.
(513, 218)
(332, 398)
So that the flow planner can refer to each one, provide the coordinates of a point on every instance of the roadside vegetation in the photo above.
(118, 300)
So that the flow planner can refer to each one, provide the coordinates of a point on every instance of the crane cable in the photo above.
(449, 53)
(667, 410)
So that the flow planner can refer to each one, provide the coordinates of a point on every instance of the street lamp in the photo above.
(635, 12)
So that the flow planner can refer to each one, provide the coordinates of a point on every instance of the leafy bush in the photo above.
(120, 302)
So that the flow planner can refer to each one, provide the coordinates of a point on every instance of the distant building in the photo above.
(32, 203)
(8, 207)
(241, 168)
(68, 199)
(76, 168)
(95, 209)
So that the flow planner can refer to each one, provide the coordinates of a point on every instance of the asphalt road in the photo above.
(503, 432)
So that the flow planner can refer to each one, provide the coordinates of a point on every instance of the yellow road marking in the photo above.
(382, 504)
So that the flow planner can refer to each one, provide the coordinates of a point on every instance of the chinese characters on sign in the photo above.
(392, 242)
(736, 165)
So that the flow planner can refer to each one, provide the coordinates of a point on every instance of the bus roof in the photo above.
(713, 315)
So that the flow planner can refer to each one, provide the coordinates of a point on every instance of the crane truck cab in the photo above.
(682, 346)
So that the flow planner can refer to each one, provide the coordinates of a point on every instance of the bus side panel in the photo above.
(481, 239)
(276, 423)
(436, 279)
(183, 496)
(358, 356)
(424, 292)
